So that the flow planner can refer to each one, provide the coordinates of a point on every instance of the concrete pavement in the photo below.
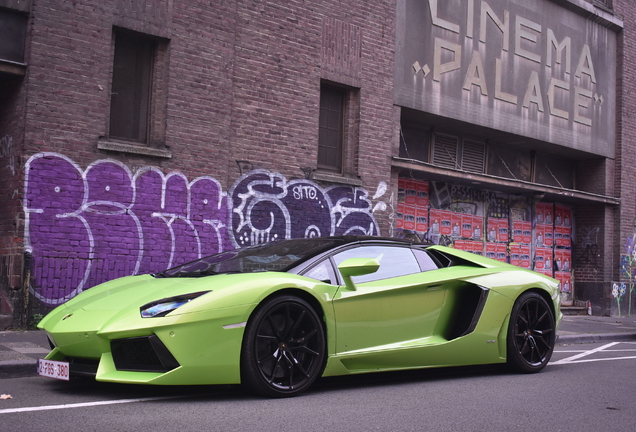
(19, 350)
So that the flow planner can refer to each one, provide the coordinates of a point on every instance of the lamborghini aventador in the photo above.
(276, 316)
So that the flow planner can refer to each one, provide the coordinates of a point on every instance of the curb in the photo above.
(18, 368)
(600, 337)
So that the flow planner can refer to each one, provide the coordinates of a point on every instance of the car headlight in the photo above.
(163, 307)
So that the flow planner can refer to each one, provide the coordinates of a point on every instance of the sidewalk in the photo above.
(19, 350)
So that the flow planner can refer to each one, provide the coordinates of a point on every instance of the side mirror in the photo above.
(357, 267)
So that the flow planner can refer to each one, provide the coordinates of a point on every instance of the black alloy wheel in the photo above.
(283, 347)
(531, 334)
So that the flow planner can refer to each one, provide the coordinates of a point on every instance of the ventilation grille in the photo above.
(473, 156)
(142, 354)
(445, 149)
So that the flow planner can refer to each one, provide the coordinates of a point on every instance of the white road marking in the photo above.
(85, 404)
(584, 354)
(621, 350)
(599, 359)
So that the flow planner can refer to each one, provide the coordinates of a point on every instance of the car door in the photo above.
(396, 307)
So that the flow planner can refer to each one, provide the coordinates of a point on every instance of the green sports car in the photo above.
(276, 316)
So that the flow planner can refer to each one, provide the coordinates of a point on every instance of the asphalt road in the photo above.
(587, 387)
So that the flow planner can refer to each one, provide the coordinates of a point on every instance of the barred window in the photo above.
(331, 128)
(131, 87)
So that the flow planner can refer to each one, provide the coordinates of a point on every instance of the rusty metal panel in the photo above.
(531, 68)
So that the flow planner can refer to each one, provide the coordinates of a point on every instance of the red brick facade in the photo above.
(236, 90)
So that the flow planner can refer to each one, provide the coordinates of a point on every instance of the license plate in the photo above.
(53, 369)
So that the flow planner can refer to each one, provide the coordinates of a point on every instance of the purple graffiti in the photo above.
(84, 227)
(55, 231)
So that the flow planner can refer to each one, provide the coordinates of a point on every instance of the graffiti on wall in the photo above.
(628, 271)
(6, 153)
(87, 226)
(587, 238)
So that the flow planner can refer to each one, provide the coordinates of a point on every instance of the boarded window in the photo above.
(473, 156)
(554, 171)
(445, 150)
(130, 98)
(331, 128)
(509, 162)
(414, 142)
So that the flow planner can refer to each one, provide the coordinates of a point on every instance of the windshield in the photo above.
(273, 256)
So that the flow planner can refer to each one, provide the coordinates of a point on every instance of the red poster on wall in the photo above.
(515, 255)
(567, 237)
(491, 230)
(421, 219)
(435, 217)
(478, 223)
(527, 232)
(467, 226)
(445, 222)
(409, 217)
(563, 260)
(543, 259)
(539, 233)
(566, 281)
(491, 250)
(539, 214)
(410, 192)
(502, 231)
(517, 231)
(476, 247)
(558, 235)
(456, 220)
(549, 213)
(421, 189)
(525, 257)
(559, 217)
(502, 253)
(548, 235)
(567, 216)
(399, 216)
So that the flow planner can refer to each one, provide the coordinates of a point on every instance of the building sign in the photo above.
(531, 68)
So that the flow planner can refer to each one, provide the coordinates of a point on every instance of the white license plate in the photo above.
(53, 369)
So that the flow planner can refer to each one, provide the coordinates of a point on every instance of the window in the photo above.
(425, 261)
(322, 272)
(554, 171)
(331, 128)
(13, 27)
(131, 87)
(606, 3)
(394, 261)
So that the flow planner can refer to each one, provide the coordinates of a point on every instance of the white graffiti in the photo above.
(6, 151)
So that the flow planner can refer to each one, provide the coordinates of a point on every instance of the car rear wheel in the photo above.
(283, 347)
(531, 334)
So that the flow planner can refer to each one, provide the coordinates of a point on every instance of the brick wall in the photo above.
(625, 177)
(238, 86)
(239, 102)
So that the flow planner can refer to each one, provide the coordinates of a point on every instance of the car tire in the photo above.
(283, 348)
(531, 334)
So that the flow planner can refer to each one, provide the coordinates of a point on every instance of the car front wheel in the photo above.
(531, 334)
(283, 348)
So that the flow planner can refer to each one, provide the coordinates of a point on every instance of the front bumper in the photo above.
(197, 348)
